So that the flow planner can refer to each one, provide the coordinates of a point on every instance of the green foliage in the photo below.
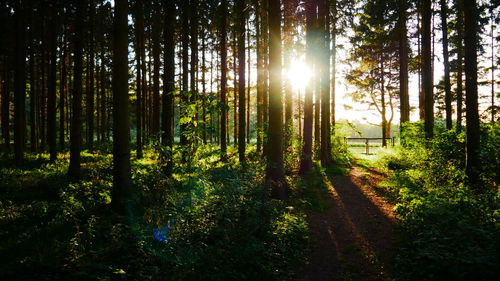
(223, 227)
(449, 232)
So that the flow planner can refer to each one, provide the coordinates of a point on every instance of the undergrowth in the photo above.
(221, 224)
(449, 231)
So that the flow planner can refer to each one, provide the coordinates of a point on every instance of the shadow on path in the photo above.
(355, 237)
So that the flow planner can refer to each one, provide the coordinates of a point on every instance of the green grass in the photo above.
(223, 227)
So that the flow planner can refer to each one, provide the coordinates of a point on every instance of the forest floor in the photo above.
(354, 237)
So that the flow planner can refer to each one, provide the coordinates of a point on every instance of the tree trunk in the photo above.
(139, 29)
(6, 104)
(51, 98)
(421, 94)
(334, 62)
(260, 72)
(403, 65)
(460, 54)
(121, 124)
(223, 79)
(306, 157)
(74, 170)
(383, 103)
(203, 88)
(289, 7)
(473, 161)
(275, 176)
(33, 93)
(324, 40)
(194, 56)
(265, 53)
(446, 63)
(240, 28)
(493, 66)
(248, 88)
(169, 83)
(90, 91)
(185, 68)
(427, 86)
(19, 85)
(155, 123)
(63, 90)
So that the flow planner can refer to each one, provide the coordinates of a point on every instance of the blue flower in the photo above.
(161, 234)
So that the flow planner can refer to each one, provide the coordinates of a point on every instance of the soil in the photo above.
(354, 238)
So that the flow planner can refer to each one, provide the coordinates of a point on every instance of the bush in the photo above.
(449, 232)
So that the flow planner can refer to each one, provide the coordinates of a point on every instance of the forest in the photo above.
(250, 140)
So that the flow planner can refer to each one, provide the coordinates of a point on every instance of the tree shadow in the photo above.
(355, 237)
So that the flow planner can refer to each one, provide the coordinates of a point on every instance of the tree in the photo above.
(185, 68)
(427, 86)
(169, 81)
(376, 71)
(324, 41)
(5, 100)
(240, 30)
(90, 79)
(275, 176)
(473, 161)
(223, 81)
(156, 31)
(456, 42)
(51, 98)
(289, 7)
(19, 84)
(446, 63)
(63, 89)
(404, 97)
(74, 170)
(139, 54)
(306, 156)
(260, 70)
(121, 126)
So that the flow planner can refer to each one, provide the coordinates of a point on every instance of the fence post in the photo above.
(393, 141)
(367, 146)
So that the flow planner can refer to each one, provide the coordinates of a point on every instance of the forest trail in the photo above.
(354, 238)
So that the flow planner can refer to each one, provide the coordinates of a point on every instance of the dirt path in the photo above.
(354, 238)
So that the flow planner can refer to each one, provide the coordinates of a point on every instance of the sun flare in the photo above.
(298, 74)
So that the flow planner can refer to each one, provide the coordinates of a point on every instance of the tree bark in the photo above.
(275, 176)
(139, 33)
(427, 86)
(90, 91)
(324, 41)
(74, 170)
(19, 84)
(306, 157)
(33, 91)
(289, 7)
(460, 54)
(185, 67)
(446, 63)
(63, 90)
(473, 161)
(403, 65)
(155, 123)
(121, 123)
(223, 79)
(169, 82)
(51, 98)
(240, 29)
(6, 104)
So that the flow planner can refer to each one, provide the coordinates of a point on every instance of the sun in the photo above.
(298, 74)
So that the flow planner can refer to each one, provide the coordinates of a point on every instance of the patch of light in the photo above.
(298, 74)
